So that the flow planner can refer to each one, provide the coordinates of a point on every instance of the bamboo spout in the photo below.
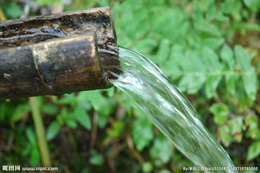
(56, 54)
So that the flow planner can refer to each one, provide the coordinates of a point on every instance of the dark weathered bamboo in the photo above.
(56, 54)
(55, 66)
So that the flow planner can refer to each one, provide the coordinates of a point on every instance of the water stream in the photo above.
(169, 110)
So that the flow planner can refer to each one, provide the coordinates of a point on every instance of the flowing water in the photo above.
(169, 110)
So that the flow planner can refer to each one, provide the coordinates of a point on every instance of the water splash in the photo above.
(168, 109)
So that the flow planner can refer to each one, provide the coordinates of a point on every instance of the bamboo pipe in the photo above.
(57, 54)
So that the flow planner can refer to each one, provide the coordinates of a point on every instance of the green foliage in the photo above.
(203, 60)
(12, 10)
(208, 48)
(34, 152)
(165, 171)
(161, 149)
(52, 130)
(115, 130)
(225, 136)
(227, 57)
(147, 167)
(43, 2)
(254, 150)
(253, 5)
(96, 158)
(142, 133)
(19, 113)
(198, 49)
(82, 117)
(81, 4)
(220, 112)
(50, 109)
(251, 122)
(250, 80)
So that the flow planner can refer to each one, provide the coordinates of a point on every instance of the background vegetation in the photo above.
(209, 49)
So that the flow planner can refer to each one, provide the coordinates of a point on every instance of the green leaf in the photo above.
(63, 116)
(172, 29)
(52, 130)
(161, 149)
(96, 158)
(3, 108)
(147, 167)
(194, 74)
(116, 129)
(211, 9)
(211, 86)
(220, 112)
(211, 61)
(238, 137)
(228, 58)
(191, 84)
(205, 4)
(207, 28)
(110, 92)
(224, 134)
(251, 122)
(165, 171)
(50, 109)
(249, 79)
(225, 6)
(241, 95)
(103, 3)
(72, 123)
(243, 59)
(102, 121)
(253, 5)
(81, 4)
(82, 117)
(221, 17)
(235, 10)
(163, 52)
(31, 136)
(94, 97)
(236, 124)
(145, 46)
(170, 67)
(82, 101)
(231, 84)
(142, 133)
(103, 105)
(132, 4)
(67, 99)
(43, 2)
(194, 40)
(26, 151)
(35, 156)
(13, 10)
(198, 13)
(213, 42)
(57, 2)
(19, 113)
(253, 151)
